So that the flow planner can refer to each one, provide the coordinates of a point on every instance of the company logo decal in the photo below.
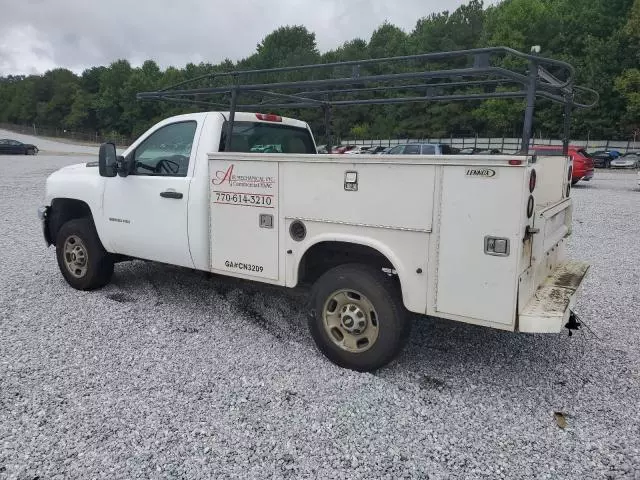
(227, 176)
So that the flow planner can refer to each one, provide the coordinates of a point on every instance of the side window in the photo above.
(396, 150)
(446, 149)
(166, 151)
(428, 150)
(412, 150)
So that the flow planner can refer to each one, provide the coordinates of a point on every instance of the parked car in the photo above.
(479, 151)
(342, 148)
(603, 158)
(422, 149)
(582, 161)
(14, 147)
(359, 149)
(469, 151)
(377, 150)
(628, 160)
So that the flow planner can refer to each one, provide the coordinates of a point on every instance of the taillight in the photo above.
(269, 117)
(533, 177)
(515, 162)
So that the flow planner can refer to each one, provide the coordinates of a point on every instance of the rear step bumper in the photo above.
(548, 311)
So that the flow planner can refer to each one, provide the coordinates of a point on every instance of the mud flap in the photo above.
(549, 309)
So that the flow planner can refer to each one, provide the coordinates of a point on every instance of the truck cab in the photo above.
(157, 207)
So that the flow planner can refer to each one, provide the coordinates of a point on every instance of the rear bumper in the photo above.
(626, 165)
(548, 311)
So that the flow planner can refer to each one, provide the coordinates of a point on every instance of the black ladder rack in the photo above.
(475, 74)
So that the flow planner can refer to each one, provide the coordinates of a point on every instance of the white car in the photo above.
(628, 160)
(358, 150)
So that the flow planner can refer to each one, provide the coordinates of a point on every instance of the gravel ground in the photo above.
(168, 374)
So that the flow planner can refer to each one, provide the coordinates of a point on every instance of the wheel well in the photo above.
(63, 210)
(324, 256)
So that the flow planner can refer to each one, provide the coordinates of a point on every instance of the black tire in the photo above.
(97, 269)
(392, 322)
(573, 182)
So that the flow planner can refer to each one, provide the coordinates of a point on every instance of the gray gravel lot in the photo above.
(168, 374)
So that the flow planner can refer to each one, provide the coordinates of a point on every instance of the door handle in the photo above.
(170, 194)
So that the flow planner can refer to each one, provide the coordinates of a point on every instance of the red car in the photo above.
(343, 148)
(582, 161)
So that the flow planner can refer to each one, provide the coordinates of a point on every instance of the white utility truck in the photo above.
(476, 239)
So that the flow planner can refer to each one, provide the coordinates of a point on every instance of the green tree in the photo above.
(601, 38)
(628, 85)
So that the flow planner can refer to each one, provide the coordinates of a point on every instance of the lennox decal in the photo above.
(227, 177)
(481, 172)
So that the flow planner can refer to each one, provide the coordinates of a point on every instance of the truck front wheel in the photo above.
(358, 320)
(83, 261)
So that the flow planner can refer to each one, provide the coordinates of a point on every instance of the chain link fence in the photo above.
(504, 144)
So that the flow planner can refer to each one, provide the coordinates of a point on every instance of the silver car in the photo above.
(628, 160)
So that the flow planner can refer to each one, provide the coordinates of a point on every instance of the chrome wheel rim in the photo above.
(350, 320)
(75, 256)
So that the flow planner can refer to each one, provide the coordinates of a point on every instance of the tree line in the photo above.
(601, 38)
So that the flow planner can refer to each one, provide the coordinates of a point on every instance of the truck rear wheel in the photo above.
(83, 261)
(358, 320)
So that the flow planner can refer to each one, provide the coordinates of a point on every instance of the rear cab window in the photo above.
(262, 137)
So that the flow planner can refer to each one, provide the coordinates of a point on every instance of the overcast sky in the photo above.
(37, 35)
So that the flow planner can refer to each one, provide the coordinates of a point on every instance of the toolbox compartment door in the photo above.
(243, 224)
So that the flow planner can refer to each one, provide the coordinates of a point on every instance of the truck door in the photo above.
(146, 212)
(244, 217)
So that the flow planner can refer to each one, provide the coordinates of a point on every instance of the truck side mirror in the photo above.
(107, 160)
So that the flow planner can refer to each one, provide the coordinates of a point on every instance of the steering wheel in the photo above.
(166, 165)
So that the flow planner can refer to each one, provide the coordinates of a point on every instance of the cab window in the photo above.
(261, 137)
(166, 151)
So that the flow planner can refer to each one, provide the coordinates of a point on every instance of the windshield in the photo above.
(259, 137)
